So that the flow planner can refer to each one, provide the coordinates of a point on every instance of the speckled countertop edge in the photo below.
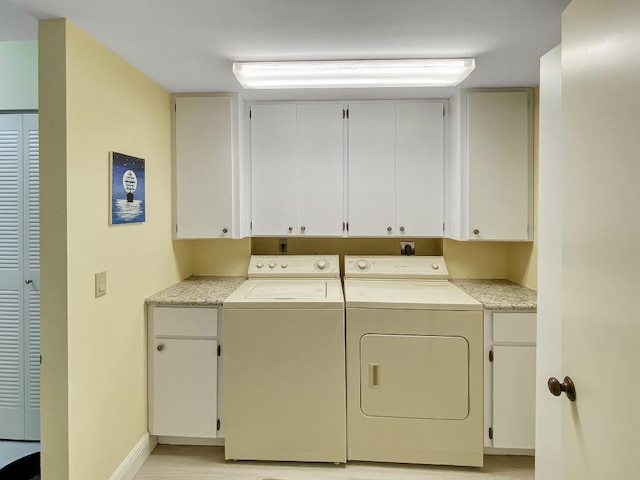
(499, 294)
(197, 291)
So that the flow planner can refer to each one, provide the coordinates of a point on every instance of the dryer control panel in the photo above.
(294, 266)
(398, 267)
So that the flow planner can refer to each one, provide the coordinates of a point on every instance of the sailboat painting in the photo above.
(127, 203)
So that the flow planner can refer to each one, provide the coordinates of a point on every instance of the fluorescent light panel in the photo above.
(353, 73)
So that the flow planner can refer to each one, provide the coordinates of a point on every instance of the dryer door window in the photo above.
(414, 376)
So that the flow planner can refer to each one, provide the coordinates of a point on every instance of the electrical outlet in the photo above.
(282, 245)
(101, 284)
(407, 248)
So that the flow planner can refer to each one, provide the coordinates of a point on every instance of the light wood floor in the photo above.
(168, 462)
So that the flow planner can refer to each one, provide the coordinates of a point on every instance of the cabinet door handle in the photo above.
(476, 232)
(302, 229)
(402, 229)
(160, 347)
(291, 229)
(224, 230)
(374, 375)
(389, 229)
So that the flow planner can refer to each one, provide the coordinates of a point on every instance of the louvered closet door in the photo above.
(19, 278)
(11, 282)
(31, 267)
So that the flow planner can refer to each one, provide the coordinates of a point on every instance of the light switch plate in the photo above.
(101, 284)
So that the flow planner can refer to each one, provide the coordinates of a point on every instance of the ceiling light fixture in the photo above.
(432, 72)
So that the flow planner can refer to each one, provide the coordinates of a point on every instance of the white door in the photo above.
(320, 153)
(499, 158)
(274, 170)
(419, 169)
(549, 318)
(204, 163)
(514, 396)
(372, 170)
(19, 278)
(601, 227)
(185, 379)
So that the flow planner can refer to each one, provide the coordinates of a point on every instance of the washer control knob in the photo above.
(284, 265)
(362, 265)
(322, 264)
(272, 265)
(260, 265)
(435, 266)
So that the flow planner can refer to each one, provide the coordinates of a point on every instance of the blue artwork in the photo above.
(127, 189)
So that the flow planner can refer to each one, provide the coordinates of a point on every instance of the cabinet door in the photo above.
(514, 396)
(419, 169)
(499, 158)
(372, 170)
(204, 167)
(320, 145)
(184, 396)
(274, 169)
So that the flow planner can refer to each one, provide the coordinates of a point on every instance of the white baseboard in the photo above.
(136, 458)
(191, 441)
(509, 451)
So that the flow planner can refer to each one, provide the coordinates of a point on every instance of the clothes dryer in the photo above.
(414, 363)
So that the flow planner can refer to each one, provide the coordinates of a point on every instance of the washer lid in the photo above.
(407, 294)
(287, 293)
(279, 290)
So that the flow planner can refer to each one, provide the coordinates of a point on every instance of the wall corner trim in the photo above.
(136, 458)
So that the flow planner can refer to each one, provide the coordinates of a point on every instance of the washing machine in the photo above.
(414, 363)
(284, 362)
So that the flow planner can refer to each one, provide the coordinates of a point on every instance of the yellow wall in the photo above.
(224, 257)
(464, 259)
(109, 106)
(19, 75)
(53, 253)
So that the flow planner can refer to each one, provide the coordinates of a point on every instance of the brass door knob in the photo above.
(556, 388)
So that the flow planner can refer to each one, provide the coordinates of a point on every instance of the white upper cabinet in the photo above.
(490, 167)
(274, 169)
(395, 169)
(320, 143)
(209, 201)
(419, 169)
(372, 169)
(396, 157)
(297, 169)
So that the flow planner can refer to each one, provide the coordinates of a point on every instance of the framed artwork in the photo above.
(127, 186)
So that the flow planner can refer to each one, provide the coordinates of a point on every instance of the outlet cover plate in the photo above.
(409, 244)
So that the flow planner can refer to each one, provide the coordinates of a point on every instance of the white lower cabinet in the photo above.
(183, 372)
(510, 380)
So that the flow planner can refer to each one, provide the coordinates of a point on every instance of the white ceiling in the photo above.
(189, 45)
